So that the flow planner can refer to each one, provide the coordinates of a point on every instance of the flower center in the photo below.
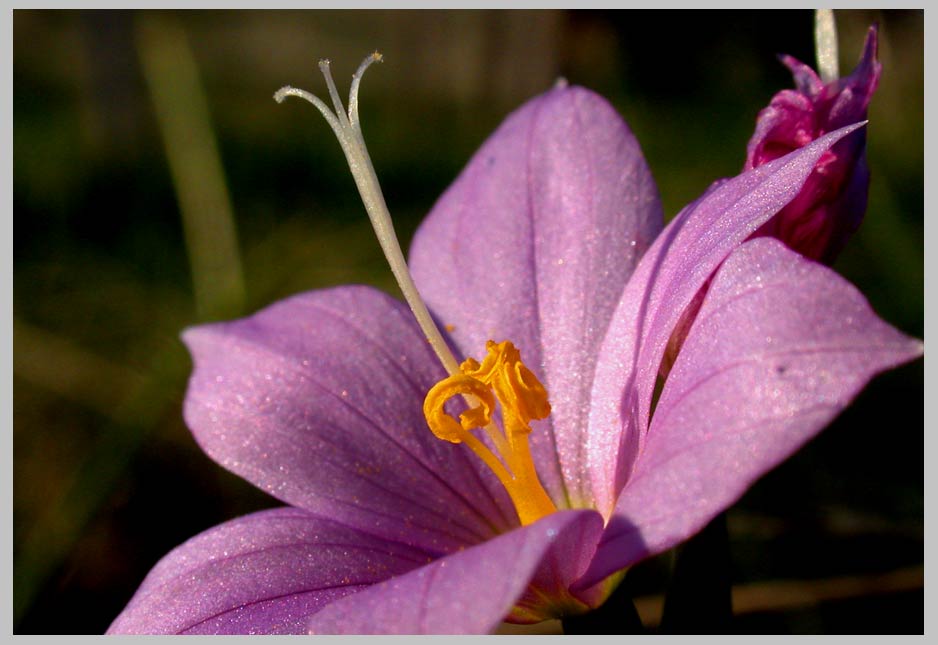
(501, 375)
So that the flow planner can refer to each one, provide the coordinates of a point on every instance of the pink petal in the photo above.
(318, 401)
(468, 592)
(667, 279)
(534, 243)
(264, 573)
(781, 345)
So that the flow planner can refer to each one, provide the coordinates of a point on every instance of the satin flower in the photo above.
(552, 239)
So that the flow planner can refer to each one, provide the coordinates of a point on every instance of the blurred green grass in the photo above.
(106, 476)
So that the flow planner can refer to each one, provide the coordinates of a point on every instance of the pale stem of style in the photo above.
(825, 42)
(348, 130)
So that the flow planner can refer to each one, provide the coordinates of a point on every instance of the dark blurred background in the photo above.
(157, 185)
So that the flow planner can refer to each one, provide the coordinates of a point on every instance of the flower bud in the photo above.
(830, 207)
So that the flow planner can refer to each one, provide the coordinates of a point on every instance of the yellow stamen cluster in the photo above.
(501, 376)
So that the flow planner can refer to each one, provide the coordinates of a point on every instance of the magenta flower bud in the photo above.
(830, 207)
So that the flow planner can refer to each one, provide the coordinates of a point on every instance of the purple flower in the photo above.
(551, 238)
(832, 202)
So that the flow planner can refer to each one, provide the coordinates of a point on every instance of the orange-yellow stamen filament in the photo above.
(501, 376)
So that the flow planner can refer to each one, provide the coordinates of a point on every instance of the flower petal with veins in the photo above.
(781, 345)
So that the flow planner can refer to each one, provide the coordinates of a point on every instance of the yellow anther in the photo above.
(443, 425)
(522, 397)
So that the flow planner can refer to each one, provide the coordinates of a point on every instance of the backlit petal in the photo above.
(679, 263)
(468, 592)
(317, 400)
(264, 573)
(781, 345)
